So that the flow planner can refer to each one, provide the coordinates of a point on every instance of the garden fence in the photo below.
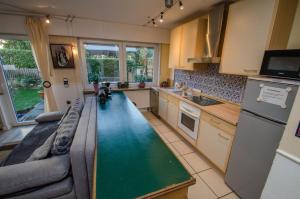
(21, 72)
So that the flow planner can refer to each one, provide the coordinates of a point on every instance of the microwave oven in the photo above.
(281, 63)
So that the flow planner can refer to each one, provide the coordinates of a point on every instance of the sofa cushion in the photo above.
(77, 106)
(49, 117)
(57, 189)
(42, 151)
(37, 137)
(65, 134)
(28, 175)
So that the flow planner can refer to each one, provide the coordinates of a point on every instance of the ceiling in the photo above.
(121, 11)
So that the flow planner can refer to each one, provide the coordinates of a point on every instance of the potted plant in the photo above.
(142, 82)
(95, 80)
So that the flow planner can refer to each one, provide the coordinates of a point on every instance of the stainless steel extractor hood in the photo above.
(212, 49)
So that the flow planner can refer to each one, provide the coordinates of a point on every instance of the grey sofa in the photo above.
(60, 177)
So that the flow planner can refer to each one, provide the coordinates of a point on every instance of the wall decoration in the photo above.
(62, 56)
(211, 82)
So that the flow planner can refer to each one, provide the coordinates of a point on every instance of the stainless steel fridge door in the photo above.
(252, 154)
(272, 111)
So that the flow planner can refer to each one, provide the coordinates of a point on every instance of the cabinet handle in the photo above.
(250, 70)
(222, 136)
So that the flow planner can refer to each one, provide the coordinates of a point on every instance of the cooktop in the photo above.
(204, 101)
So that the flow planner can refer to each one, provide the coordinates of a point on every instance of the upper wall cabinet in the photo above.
(254, 26)
(175, 41)
(186, 41)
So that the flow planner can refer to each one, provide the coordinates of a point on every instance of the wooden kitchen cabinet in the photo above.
(254, 26)
(173, 108)
(215, 138)
(175, 42)
(187, 41)
(163, 107)
(192, 42)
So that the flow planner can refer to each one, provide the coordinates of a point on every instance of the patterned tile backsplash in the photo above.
(210, 82)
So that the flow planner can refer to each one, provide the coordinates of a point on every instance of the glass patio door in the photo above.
(22, 78)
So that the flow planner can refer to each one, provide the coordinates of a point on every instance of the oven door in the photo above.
(281, 63)
(188, 123)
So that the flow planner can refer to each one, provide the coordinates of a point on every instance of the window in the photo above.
(102, 61)
(119, 62)
(139, 61)
(22, 78)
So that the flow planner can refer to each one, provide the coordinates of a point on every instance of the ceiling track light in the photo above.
(181, 5)
(153, 22)
(168, 3)
(161, 17)
(47, 19)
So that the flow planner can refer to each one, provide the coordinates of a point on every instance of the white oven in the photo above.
(189, 117)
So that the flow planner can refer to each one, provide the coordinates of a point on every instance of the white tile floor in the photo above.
(209, 181)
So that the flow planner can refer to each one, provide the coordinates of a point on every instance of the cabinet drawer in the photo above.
(218, 123)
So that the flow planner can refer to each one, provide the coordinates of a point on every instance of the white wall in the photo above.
(90, 29)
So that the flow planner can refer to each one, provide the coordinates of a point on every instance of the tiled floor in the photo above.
(209, 181)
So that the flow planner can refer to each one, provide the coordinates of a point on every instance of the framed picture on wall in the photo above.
(62, 56)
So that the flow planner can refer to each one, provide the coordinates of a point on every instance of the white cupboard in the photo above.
(163, 108)
(214, 142)
(254, 26)
(172, 116)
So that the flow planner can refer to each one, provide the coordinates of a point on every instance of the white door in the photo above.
(172, 114)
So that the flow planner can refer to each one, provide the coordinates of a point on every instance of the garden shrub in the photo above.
(19, 58)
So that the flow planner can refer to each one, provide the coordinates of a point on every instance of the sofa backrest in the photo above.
(83, 150)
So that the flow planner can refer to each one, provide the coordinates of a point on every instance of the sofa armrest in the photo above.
(27, 175)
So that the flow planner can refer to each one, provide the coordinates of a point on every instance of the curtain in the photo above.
(38, 36)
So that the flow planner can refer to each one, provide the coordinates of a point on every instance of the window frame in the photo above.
(122, 61)
(12, 118)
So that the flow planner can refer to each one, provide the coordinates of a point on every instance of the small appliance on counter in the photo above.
(123, 85)
(105, 92)
(281, 63)
(265, 110)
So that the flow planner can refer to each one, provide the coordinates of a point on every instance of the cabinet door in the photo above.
(188, 43)
(214, 143)
(163, 108)
(247, 36)
(172, 116)
(175, 42)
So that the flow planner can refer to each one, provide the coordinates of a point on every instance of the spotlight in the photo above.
(161, 17)
(181, 5)
(47, 19)
(168, 3)
(153, 22)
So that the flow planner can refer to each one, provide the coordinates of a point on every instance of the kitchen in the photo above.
(194, 103)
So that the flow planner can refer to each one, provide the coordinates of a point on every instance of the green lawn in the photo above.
(25, 98)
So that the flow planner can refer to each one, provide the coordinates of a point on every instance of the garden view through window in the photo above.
(22, 78)
(115, 62)
(102, 62)
(139, 62)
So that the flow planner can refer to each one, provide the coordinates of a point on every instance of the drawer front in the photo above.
(215, 144)
(218, 123)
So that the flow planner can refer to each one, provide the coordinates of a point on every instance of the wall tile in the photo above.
(228, 87)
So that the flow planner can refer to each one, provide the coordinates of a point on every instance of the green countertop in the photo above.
(132, 160)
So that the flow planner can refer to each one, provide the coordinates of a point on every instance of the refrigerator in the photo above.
(265, 110)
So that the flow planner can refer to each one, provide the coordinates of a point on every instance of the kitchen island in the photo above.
(132, 160)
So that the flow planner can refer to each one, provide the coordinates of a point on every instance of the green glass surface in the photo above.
(132, 160)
